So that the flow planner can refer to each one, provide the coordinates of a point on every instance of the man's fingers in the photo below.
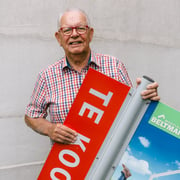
(65, 139)
(62, 134)
(156, 98)
(69, 130)
(153, 85)
(151, 92)
(65, 134)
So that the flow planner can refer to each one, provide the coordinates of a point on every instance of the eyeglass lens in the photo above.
(79, 30)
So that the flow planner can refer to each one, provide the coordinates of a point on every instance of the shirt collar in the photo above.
(92, 59)
(95, 59)
(65, 63)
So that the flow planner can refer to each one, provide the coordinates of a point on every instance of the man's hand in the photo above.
(62, 134)
(126, 171)
(57, 132)
(150, 92)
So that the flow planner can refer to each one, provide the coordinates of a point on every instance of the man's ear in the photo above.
(58, 38)
(91, 34)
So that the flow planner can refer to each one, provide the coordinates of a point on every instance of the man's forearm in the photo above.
(40, 125)
(57, 132)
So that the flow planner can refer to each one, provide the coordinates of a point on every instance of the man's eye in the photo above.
(67, 30)
(81, 28)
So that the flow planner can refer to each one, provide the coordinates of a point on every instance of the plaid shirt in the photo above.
(57, 86)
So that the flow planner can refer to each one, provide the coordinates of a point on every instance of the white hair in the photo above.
(69, 10)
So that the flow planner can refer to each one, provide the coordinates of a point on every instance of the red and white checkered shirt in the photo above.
(57, 86)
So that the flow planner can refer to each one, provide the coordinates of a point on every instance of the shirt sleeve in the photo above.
(123, 74)
(38, 107)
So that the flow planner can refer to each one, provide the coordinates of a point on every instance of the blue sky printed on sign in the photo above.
(151, 151)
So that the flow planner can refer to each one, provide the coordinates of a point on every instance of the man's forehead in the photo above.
(73, 18)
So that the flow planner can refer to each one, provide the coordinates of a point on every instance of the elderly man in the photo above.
(57, 85)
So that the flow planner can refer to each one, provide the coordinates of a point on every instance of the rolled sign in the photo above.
(104, 115)
(120, 134)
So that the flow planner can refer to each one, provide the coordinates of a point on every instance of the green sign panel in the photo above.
(166, 119)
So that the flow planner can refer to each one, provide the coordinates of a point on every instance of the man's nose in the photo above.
(74, 32)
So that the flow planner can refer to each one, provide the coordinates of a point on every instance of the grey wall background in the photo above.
(145, 34)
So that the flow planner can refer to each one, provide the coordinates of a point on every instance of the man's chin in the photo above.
(78, 52)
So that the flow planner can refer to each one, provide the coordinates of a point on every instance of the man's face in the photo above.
(75, 43)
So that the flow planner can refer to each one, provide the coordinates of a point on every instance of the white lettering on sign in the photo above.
(102, 96)
(79, 142)
(80, 138)
(76, 162)
(61, 171)
(70, 153)
(94, 109)
(166, 125)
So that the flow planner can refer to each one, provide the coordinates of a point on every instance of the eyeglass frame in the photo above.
(74, 27)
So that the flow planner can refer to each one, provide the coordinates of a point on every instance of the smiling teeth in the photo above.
(75, 42)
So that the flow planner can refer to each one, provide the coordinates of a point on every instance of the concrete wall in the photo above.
(144, 34)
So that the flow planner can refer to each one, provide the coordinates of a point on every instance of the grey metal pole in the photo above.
(120, 134)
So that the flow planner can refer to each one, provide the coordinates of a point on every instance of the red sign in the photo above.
(91, 115)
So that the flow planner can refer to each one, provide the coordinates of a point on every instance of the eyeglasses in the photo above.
(79, 29)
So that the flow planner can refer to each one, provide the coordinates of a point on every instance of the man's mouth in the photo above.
(75, 42)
